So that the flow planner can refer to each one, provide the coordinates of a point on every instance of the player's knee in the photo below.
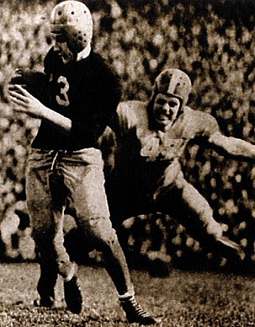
(106, 239)
(215, 229)
(101, 229)
(205, 214)
(109, 246)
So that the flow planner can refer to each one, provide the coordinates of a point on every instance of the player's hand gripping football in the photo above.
(25, 102)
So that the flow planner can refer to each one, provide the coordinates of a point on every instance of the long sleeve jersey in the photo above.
(87, 92)
(144, 156)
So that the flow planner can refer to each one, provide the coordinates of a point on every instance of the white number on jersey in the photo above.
(150, 147)
(62, 99)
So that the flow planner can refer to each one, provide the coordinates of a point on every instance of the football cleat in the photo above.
(47, 302)
(73, 295)
(135, 313)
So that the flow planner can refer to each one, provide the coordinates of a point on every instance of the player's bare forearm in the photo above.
(232, 147)
(25, 102)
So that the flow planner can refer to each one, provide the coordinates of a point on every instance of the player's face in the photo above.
(165, 110)
(62, 48)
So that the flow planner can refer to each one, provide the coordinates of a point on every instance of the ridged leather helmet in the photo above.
(173, 82)
(74, 20)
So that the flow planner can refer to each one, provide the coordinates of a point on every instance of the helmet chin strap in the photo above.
(84, 53)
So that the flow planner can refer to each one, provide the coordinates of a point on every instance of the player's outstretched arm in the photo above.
(231, 146)
(25, 102)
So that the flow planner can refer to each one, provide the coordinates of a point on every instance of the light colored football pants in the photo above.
(57, 180)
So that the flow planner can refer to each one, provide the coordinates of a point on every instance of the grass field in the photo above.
(194, 299)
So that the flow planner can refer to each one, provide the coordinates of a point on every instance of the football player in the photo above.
(146, 174)
(65, 166)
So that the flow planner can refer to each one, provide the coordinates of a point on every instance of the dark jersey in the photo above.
(86, 92)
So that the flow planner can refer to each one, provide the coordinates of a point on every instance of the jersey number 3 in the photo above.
(62, 99)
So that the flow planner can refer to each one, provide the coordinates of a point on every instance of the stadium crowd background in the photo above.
(212, 41)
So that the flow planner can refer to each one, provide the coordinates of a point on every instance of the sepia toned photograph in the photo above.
(127, 175)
